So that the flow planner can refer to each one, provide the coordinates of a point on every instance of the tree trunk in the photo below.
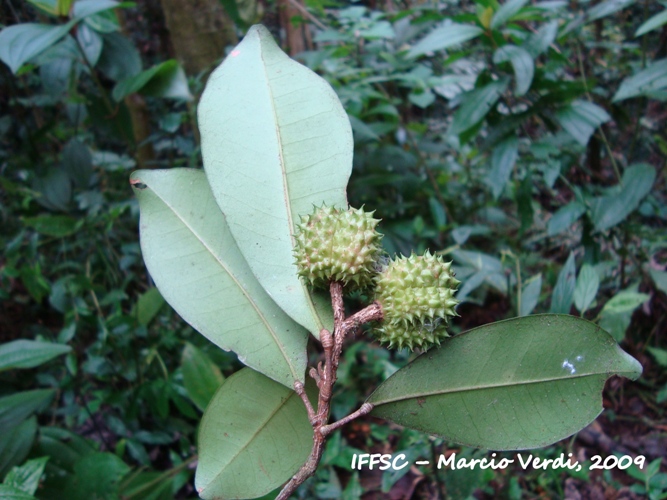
(297, 36)
(200, 30)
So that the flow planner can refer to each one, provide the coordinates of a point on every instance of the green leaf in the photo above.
(11, 493)
(78, 163)
(29, 353)
(201, 377)
(475, 105)
(616, 324)
(607, 8)
(660, 279)
(275, 142)
(506, 12)
(48, 6)
(85, 8)
(169, 82)
(15, 443)
(636, 183)
(652, 23)
(21, 42)
(515, 384)
(90, 42)
(55, 189)
(563, 294)
(660, 355)
(96, 475)
(625, 301)
(653, 78)
(164, 80)
(64, 7)
(523, 65)
(580, 119)
(105, 21)
(530, 295)
(148, 305)
(58, 226)
(26, 477)
(422, 99)
(254, 436)
(232, 9)
(119, 58)
(444, 36)
(16, 408)
(362, 132)
(588, 283)
(564, 217)
(503, 159)
(540, 41)
(194, 261)
(64, 447)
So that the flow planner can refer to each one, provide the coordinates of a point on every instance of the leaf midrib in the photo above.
(490, 386)
(236, 281)
(287, 197)
(260, 428)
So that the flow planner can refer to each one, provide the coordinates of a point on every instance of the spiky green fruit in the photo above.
(417, 298)
(337, 245)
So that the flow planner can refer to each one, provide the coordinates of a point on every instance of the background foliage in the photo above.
(525, 140)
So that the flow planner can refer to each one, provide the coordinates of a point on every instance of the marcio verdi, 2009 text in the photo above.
(398, 462)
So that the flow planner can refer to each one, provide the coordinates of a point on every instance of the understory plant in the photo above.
(257, 251)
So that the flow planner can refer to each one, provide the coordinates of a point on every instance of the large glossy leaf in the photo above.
(64, 447)
(57, 226)
(607, 8)
(254, 435)
(636, 183)
(85, 8)
(516, 384)
(581, 118)
(475, 105)
(653, 23)
(119, 58)
(564, 217)
(275, 142)
(90, 42)
(446, 35)
(541, 40)
(530, 295)
(588, 283)
(522, 63)
(15, 443)
(503, 158)
(199, 270)
(12, 493)
(29, 353)
(201, 377)
(26, 477)
(166, 79)
(78, 163)
(17, 407)
(21, 42)
(563, 294)
(96, 475)
(653, 78)
(506, 11)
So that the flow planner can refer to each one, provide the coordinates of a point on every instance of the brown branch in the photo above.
(365, 409)
(325, 377)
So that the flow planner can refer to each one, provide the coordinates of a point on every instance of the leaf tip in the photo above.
(136, 182)
(633, 368)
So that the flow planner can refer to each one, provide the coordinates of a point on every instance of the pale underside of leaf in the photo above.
(199, 270)
(275, 142)
(514, 384)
